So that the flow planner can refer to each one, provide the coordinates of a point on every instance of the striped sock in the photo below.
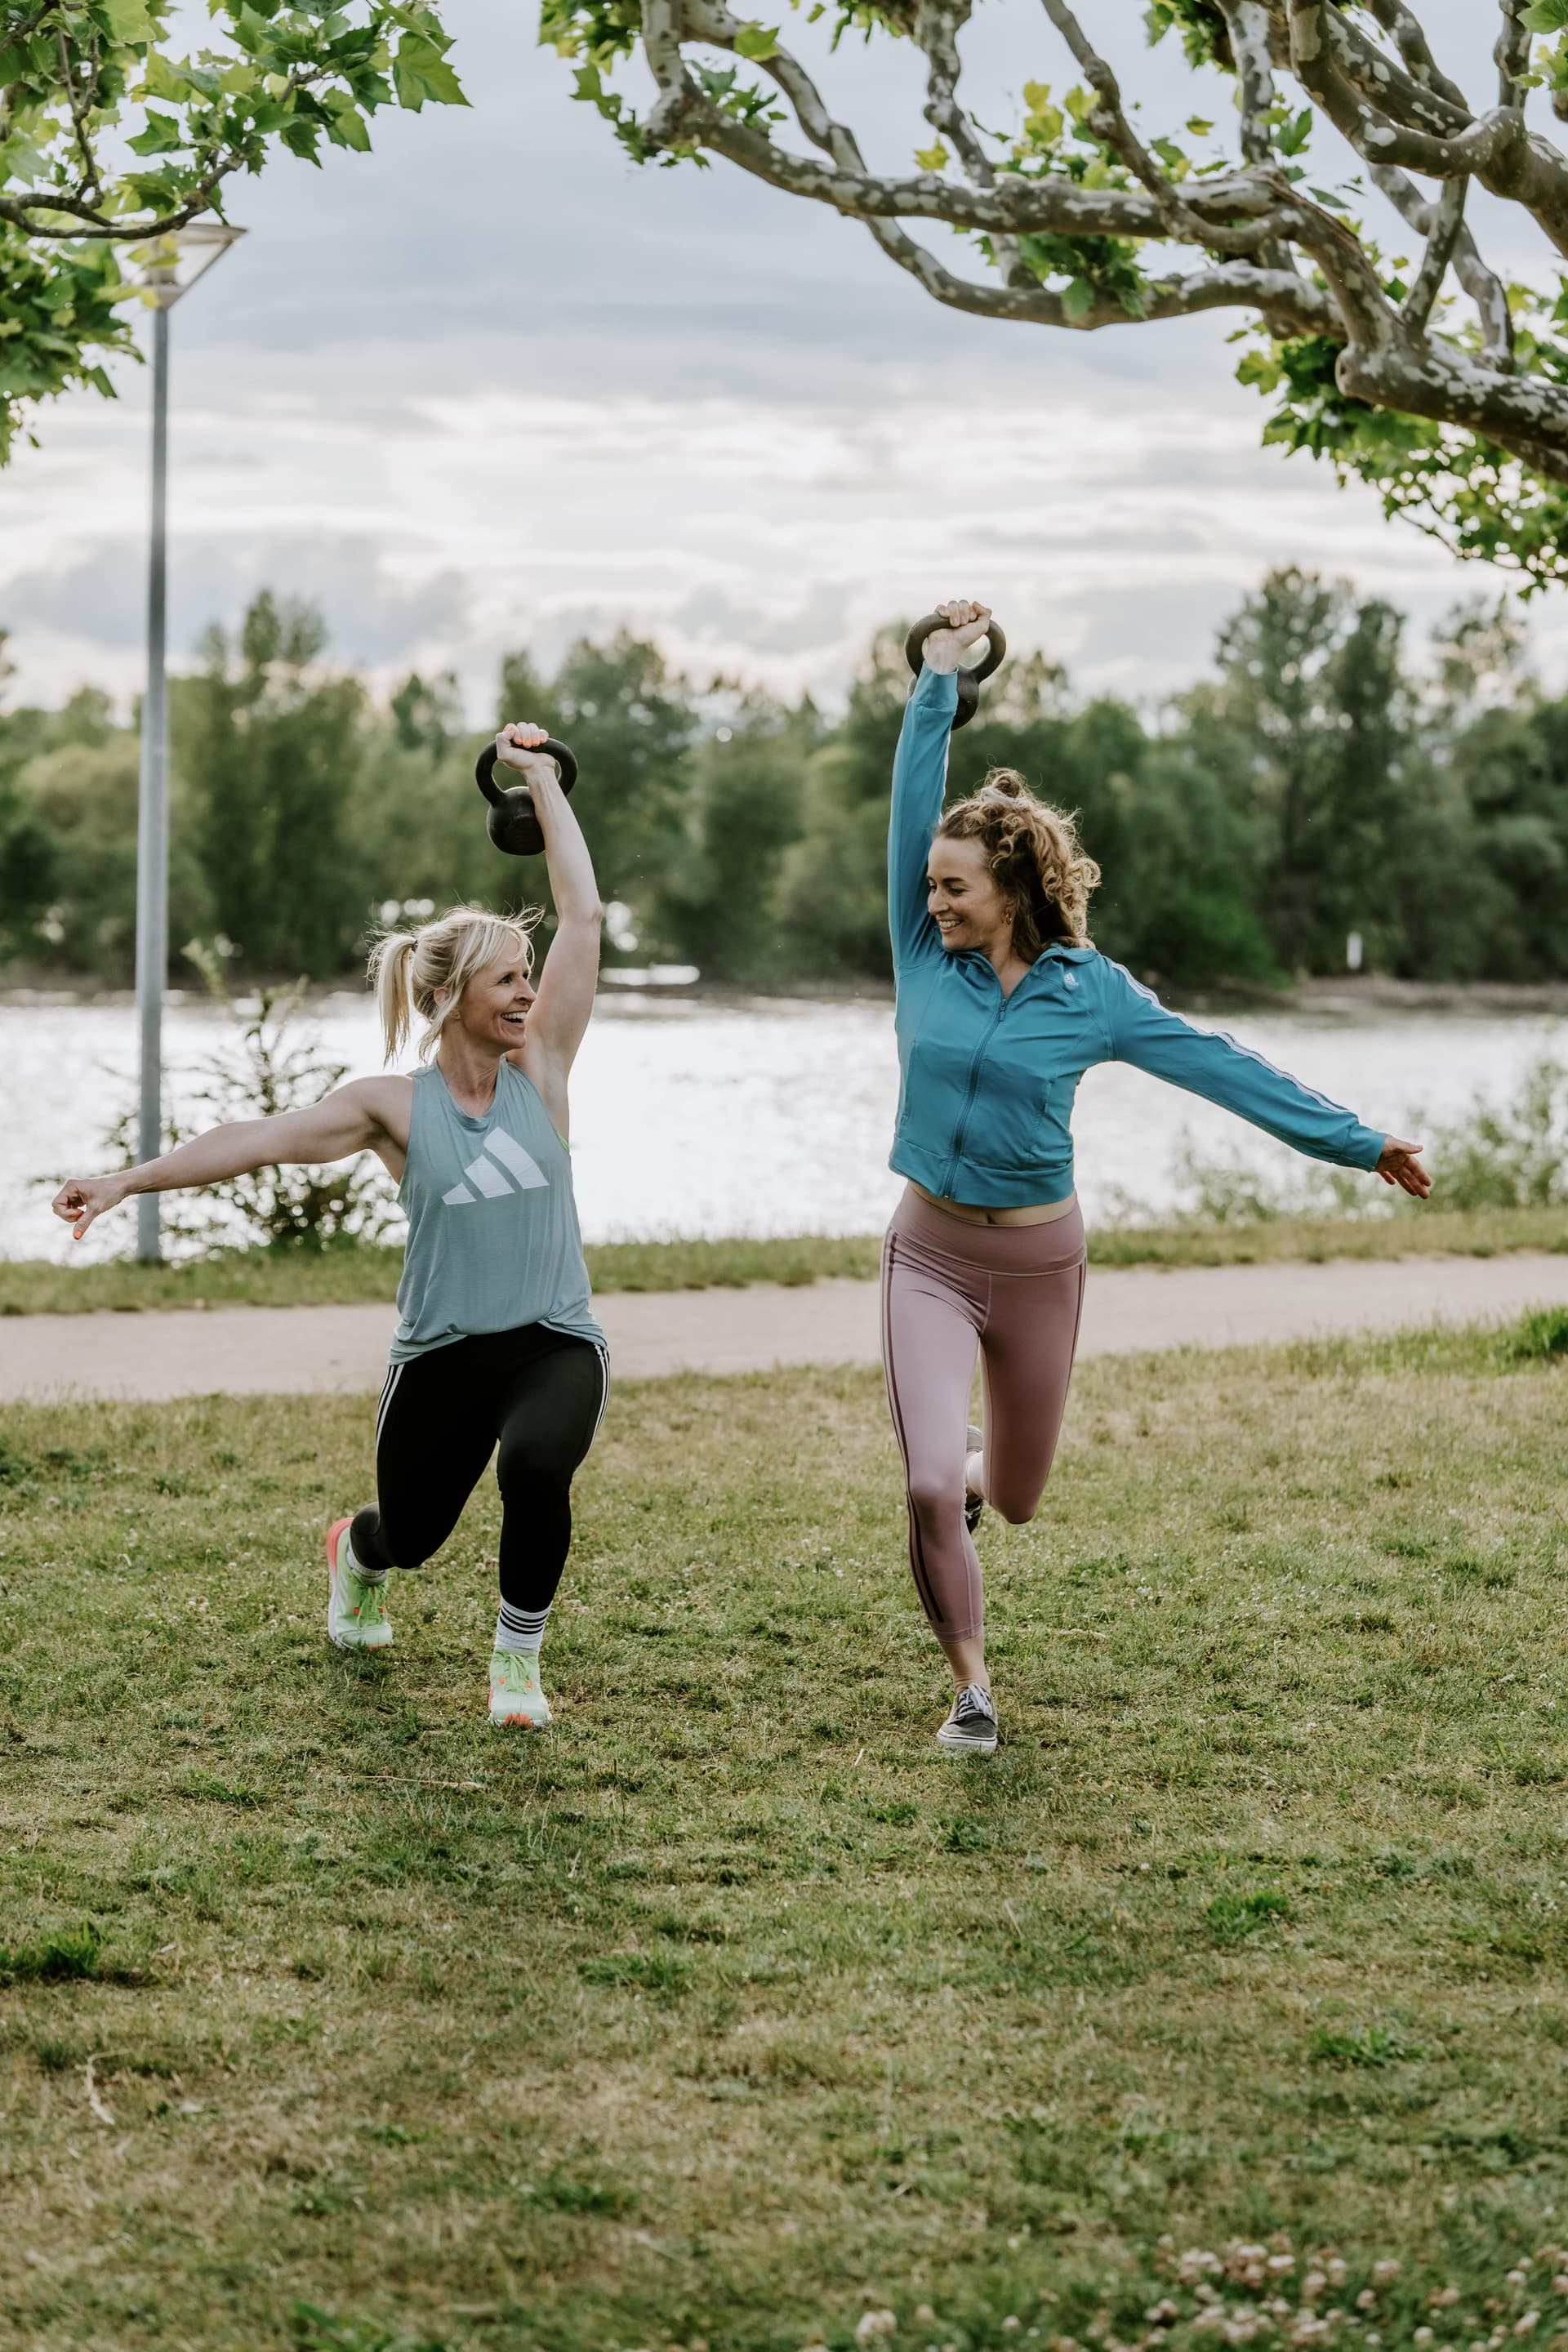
(519, 1632)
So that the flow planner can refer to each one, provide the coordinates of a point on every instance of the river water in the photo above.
(770, 1117)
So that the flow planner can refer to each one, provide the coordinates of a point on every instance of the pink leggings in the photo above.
(1015, 1293)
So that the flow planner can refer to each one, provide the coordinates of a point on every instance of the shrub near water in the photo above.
(729, 2012)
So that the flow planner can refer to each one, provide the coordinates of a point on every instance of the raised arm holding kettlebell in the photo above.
(940, 640)
(513, 823)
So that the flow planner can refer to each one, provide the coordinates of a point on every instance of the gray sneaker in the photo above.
(972, 1728)
(974, 1503)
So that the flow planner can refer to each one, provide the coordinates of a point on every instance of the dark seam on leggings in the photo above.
(917, 1548)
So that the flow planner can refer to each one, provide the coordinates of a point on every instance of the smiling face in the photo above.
(493, 1008)
(962, 898)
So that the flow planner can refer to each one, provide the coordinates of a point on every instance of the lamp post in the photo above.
(170, 267)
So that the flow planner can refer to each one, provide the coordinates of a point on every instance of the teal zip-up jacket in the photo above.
(987, 1081)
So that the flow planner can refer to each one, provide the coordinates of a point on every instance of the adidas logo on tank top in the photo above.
(511, 1255)
(487, 1178)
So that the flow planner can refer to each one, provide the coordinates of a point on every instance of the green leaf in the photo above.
(161, 135)
(1293, 136)
(420, 73)
(345, 124)
(301, 139)
(167, 80)
(932, 159)
(754, 41)
(127, 20)
(1199, 129)
(1077, 301)
(1545, 17)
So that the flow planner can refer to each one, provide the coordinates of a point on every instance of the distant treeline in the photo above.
(1320, 784)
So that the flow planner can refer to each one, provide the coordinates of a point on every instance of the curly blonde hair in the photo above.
(1037, 857)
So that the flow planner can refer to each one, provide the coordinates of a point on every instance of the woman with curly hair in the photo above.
(1002, 1003)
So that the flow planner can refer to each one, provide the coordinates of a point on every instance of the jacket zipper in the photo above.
(960, 1132)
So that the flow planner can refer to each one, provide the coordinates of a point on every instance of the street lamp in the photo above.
(170, 267)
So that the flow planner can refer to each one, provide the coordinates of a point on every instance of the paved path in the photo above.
(266, 1351)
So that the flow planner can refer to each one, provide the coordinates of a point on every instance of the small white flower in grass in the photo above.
(875, 2324)
(1441, 2297)
(1422, 2336)
(1010, 2323)
(1366, 2300)
(1560, 2283)
(1384, 2273)
(1516, 2278)
(1282, 2265)
(1312, 2286)
(1526, 2322)
(1337, 2269)
(924, 2316)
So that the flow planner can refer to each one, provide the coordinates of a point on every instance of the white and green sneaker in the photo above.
(515, 1694)
(356, 1611)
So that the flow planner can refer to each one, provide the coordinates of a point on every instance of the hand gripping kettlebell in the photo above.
(970, 681)
(512, 823)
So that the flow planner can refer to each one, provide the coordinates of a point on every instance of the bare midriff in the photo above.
(1037, 1213)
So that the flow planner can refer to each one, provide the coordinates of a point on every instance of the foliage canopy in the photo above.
(1432, 379)
(110, 144)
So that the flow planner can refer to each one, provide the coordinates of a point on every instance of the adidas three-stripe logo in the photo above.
(487, 1178)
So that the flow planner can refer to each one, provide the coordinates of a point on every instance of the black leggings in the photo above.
(541, 1395)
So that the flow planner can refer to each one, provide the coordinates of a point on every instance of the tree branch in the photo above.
(1412, 43)
(935, 32)
(1486, 290)
(1109, 121)
(1498, 148)
(1511, 57)
(1448, 220)
(90, 181)
(1247, 22)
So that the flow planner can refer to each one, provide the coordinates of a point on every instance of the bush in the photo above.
(273, 1064)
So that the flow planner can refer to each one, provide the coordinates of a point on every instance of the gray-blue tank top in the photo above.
(492, 1225)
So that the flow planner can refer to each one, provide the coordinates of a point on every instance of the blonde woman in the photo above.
(1002, 1003)
(496, 1345)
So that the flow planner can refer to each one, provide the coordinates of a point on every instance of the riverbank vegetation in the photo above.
(351, 1272)
(1326, 779)
(728, 2013)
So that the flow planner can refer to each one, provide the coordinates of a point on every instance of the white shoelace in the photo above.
(975, 1698)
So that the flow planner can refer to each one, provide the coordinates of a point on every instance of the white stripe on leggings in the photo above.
(394, 1373)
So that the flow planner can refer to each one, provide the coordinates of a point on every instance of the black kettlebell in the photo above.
(970, 681)
(512, 823)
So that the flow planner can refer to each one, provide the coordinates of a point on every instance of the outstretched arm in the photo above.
(920, 779)
(559, 1013)
(1205, 1062)
(350, 1119)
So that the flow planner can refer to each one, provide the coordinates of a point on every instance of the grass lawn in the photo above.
(257, 1278)
(728, 2013)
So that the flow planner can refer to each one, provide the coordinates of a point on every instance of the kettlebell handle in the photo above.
(513, 824)
(484, 768)
(970, 681)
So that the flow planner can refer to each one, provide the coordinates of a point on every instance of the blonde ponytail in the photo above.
(1035, 856)
(408, 968)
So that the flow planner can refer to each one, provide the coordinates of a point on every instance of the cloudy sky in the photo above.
(493, 386)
